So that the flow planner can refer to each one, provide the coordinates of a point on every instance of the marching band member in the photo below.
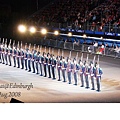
(10, 53)
(0, 51)
(6, 53)
(14, 54)
(26, 56)
(22, 56)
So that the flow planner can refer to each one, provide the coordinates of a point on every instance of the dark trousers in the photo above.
(53, 72)
(6, 59)
(98, 79)
(3, 60)
(92, 82)
(29, 65)
(14, 59)
(82, 80)
(49, 72)
(9, 57)
(87, 81)
(18, 62)
(69, 77)
(26, 64)
(63, 74)
(41, 69)
(75, 78)
(33, 66)
(0, 58)
(37, 67)
(45, 71)
(59, 74)
(22, 62)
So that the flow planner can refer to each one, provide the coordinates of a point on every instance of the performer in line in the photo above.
(18, 55)
(29, 58)
(10, 53)
(6, 53)
(49, 65)
(26, 56)
(22, 56)
(14, 53)
(98, 74)
(3, 52)
(53, 66)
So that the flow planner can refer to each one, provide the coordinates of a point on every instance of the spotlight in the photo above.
(69, 34)
(84, 36)
(56, 33)
(22, 28)
(43, 31)
(32, 29)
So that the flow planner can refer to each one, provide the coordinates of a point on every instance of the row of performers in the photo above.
(46, 64)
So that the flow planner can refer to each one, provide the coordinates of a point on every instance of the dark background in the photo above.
(12, 12)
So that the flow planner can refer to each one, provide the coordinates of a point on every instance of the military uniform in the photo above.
(64, 67)
(6, 55)
(45, 65)
(49, 65)
(75, 71)
(69, 70)
(53, 67)
(82, 69)
(86, 74)
(59, 66)
(22, 59)
(26, 59)
(37, 58)
(29, 61)
(91, 71)
(9, 56)
(41, 64)
(33, 61)
(18, 57)
(98, 73)
(14, 56)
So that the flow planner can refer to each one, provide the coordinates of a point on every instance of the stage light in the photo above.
(22, 28)
(32, 29)
(84, 36)
(56, 33)
(69, 34)
(44, 31)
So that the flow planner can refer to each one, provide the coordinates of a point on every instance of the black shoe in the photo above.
(14, 66)
(33, 72)
(75, 84)
(18, 67)
(49, 77)
(10, 65)
(41, 75)
(6, 64)
(45, 76)
(98, 90)
(82, 86)
(54, 78)
(3, 63)
(37, 73)
(26, 69)
(22, 68)
(29, 70)
(87, 87)
(59, 80)
(92, 89)
(69, 83)
(64, 81)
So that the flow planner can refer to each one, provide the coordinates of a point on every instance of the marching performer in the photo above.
(53, 66)
(6, 53)
(10, 53)
(29, 58)
(98, 74)
(22, 56)
(18, 55)
(91, 69)
(26, 56)
(3, 52)
(86, 73)
(37, 58)
(82, 69)
(14, 53)
(64, 67)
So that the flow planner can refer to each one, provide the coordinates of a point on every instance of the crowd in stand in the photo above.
(79, 13)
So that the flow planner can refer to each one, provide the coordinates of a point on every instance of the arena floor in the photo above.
(46, 90)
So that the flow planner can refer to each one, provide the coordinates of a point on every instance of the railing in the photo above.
(81, 47)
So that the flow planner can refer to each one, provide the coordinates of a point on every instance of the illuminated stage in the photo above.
(48, 90)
